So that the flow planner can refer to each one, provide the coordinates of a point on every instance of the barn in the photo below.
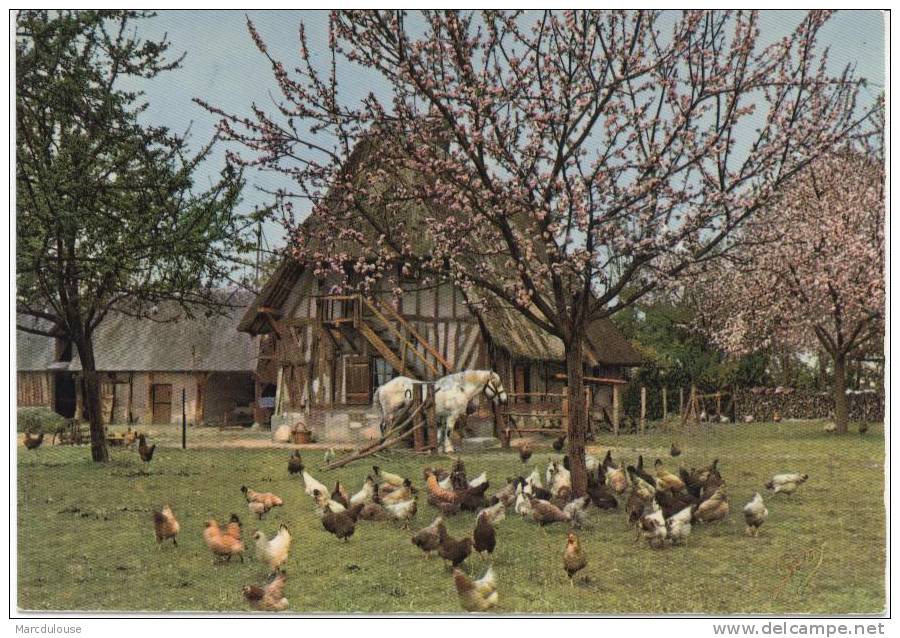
(146, 366)
(322, 354)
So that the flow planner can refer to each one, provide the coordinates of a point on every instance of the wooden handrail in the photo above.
(414, 333)
(399, 335)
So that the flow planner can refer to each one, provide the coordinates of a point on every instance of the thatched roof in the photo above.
(34, 353)
(170, 342)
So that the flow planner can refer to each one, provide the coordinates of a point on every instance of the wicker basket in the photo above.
(302, 436)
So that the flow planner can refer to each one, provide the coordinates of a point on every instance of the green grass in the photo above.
(822, 550)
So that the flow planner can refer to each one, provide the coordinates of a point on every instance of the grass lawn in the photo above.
(85, 534)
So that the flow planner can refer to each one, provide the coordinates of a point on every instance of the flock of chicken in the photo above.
(662, 507)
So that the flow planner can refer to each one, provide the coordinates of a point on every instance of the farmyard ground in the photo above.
(85, 534)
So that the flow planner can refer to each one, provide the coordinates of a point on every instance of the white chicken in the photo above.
(787, 483)
(323, 501)
(523, 503)
(273, 551)
(653, 528)
(310, 485)
(495, 513)
(478, 480)
(366, 494)
(402, 511)
(678, 525)
(755, 514)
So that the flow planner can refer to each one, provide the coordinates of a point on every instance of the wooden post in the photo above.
(692, 410)
(681, 402)
(718, 404)
(183, 419)
(643, 408)
(430, 419)
(418, 435)
(665, 402)
(616, 404)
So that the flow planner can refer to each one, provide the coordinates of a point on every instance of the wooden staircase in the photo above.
(387, 331)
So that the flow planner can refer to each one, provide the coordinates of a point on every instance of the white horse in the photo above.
(454, 393)
(393, 399)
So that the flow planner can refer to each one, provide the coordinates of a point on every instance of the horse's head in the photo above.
(494, 390)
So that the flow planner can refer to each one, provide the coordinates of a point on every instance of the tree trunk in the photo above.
(91, 389)
(577, 414)
(841, 417)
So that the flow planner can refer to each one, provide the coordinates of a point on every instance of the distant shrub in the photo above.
(38, 419)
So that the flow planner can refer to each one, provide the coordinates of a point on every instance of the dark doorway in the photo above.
(161, 394)
(64, 394)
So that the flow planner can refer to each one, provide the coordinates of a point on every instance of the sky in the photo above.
(223, 67)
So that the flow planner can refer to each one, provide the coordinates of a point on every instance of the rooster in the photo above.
(165, 525)
(33, 442)
(274, 552)
(479, 595)
(558, 443)
(269, 597)
(144, 451)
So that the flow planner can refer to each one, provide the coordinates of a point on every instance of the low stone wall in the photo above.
(792, 403)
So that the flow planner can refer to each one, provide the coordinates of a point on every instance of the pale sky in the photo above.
(224, 67)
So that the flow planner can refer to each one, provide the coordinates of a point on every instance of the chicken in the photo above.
(402, 511)
(258, 508)
(329, 456)
(544, 512)
(830, 428)
(458, 480)
(478, 480)
(439, 473)
(713, 509)
(558, 477)
(678, 525)
(340, 495)
(748, 418)
(269, 597)
(165, 525)
(322, 500)
(33, 442)
(479, 595)
(274, 551)
(445, 508)
(776, 417)
(445, 483)
(485, 536)
(439, 493)
(366, 494)
(221, 544)
(653, 528)
(495, 513)
(428, 539)
(269, 499)
(617, 480)
(387, 477)
(234, 528)
(295, 463)
(558, 443)
(341, 524)
(670, 503)
(472, 498)
(402, 493)
(600, 494)
(452, 550)
(665, 480)
(525, 452)
(534, 480)
(576, 510)
(507, 495)
(863, 427)
(639, 485)
(523, 502)
(310, 484)
(573, 557)
(787, 483)
(145, 452)
(641, 472)
(674, 450)
(374, 511)
(755, 514)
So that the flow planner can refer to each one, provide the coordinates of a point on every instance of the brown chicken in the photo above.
(33, 442)
(220, 544)
(165, 525)
(558, 443)
(484, 535)
(234, 528)
(452, 550)
(472, 498)
(573, 557)
(713, 509)
(437, 492)
(525, 452)
(478, 595)
(674, 450)
(270, 597)
(428, 539)
(295, 463)
(374, 511)
(341, 524)
(266, 498)
(544, 512)
(145, 452)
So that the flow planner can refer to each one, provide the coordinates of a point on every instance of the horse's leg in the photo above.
(448, 431)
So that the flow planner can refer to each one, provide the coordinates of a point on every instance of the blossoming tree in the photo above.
(810, 270)
(556, 160)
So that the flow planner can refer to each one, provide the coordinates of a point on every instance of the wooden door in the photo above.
(161, 394)
(359, 380)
